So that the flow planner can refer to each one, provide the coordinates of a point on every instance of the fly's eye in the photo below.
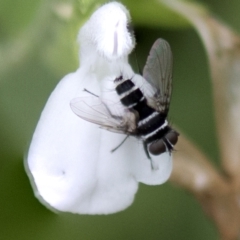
(172, 137)
(157, 147)
(161, 145)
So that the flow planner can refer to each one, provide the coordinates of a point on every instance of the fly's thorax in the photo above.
(151, 125)
(153, 130)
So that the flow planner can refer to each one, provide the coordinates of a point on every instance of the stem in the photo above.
(218, 193)
(218, 196)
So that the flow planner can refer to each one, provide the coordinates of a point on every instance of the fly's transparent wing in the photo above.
(94, 110)
(158, 72)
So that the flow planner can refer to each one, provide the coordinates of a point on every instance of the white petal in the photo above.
(106, 34)
(71, 163)
(70, 160)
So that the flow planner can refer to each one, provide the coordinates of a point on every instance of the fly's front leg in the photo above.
(153, 165)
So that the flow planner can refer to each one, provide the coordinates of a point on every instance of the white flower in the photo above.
(70, 161)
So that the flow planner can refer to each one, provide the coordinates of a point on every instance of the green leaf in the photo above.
(153, 13)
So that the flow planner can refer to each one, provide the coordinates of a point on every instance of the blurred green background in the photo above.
(37, 48)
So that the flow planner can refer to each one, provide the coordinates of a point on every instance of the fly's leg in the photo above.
(153, 166)
(85, 90)
(113, 116)
(113, 150)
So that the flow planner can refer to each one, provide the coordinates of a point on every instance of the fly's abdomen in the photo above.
(132, 98)
(129, 93)
(151, 124)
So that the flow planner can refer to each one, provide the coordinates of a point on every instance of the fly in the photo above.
(144, 118)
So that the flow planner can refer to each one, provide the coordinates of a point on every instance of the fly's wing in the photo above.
(158, 72)
(94, 110)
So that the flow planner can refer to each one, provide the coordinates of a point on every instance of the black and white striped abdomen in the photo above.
(130, 95)
(151, 124)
